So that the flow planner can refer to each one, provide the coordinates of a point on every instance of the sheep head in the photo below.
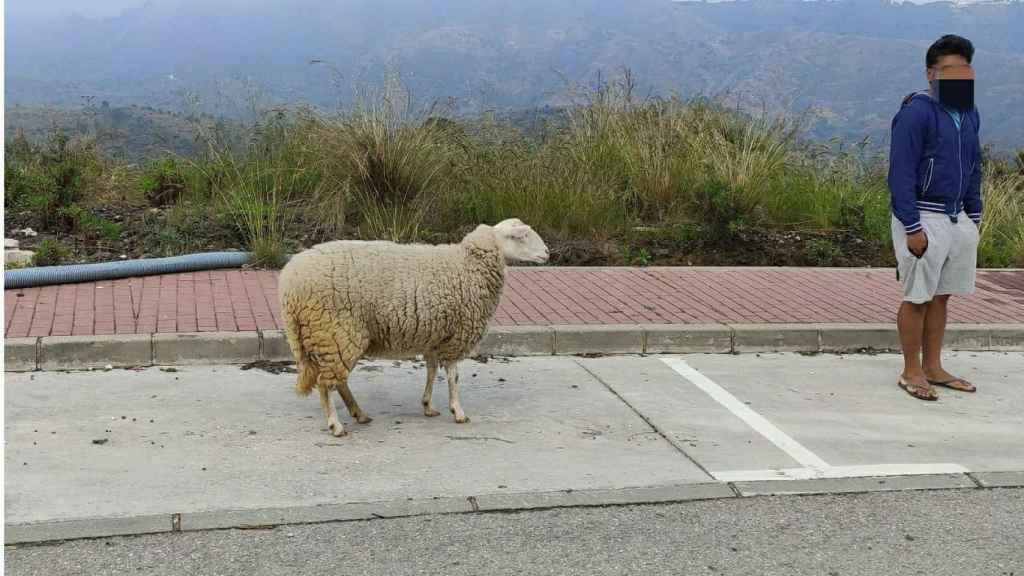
(520, 243)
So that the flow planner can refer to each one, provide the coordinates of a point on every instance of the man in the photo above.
(935, 187)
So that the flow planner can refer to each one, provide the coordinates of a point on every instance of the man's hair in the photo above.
(949, 45)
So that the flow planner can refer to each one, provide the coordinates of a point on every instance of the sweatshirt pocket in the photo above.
(926, 179)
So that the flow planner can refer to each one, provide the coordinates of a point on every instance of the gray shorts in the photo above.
(948, 265)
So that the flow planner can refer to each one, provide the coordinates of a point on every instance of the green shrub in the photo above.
(89, 224)
(186, 228)
(162, 182)
(636, 256)
(822, 252)
(51, 253)
(51, 179)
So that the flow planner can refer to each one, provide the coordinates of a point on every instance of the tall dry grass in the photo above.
(385, 169)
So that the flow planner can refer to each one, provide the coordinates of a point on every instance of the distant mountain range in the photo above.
(852, 61)
(132, 134)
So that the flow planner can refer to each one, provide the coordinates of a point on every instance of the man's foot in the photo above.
(942, 378)
(918, 388)
(955, 384)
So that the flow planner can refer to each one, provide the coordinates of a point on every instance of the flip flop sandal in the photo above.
(950, 384)
(918, 392)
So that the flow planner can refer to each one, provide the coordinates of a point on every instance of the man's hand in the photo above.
(917, 243)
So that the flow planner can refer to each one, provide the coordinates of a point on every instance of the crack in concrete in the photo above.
(649, 422)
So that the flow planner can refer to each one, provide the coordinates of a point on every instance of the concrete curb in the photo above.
(84, 352)
(86, 528)
(76, 352)
(619, 497)
(851, 485)
(59, 530)
(208, 348)
(999, 479)
(214, 520)
(21, 354)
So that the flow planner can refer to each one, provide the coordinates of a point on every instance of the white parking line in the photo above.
(743, 412)
(814, 467)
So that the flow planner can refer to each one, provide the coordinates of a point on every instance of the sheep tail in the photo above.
(303, 363)
(307, 378)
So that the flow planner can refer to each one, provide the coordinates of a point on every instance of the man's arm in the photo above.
(972, 200)
(905, 150)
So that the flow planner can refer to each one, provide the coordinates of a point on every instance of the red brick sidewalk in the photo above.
(234, 300)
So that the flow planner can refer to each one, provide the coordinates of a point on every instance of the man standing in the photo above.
(935, 188)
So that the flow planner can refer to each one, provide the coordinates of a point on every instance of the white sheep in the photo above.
(346, 300)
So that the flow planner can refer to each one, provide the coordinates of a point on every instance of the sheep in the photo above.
(345, 300)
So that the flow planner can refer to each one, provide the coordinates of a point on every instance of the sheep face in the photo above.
(519, 243)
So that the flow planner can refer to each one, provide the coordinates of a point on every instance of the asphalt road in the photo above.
(959, 532)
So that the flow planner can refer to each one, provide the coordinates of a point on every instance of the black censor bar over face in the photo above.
(954, 86)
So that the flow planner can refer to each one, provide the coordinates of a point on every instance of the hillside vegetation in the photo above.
(619, 179)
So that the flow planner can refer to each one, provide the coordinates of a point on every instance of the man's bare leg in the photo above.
(934, 333)
(911, 324)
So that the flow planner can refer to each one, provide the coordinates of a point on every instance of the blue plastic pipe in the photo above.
(47, 275)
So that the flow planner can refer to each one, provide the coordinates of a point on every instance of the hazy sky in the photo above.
(99, 8)
(65, 7)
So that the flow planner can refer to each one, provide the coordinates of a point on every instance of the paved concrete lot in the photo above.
(222, 438)
(844, 414)
(849, 411)
(130, 444)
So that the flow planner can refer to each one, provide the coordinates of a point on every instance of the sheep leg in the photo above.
(428, 390)
(452, 371)
(333, 424)
(350, 401)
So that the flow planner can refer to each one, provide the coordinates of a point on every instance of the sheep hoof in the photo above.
(430, 412)
(337, 430)
(364, 419)
(462, 419)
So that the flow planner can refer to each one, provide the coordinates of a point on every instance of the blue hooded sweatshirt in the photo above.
(934, 164)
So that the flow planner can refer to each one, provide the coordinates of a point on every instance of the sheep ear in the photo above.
(516, 232)
(509, 223)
